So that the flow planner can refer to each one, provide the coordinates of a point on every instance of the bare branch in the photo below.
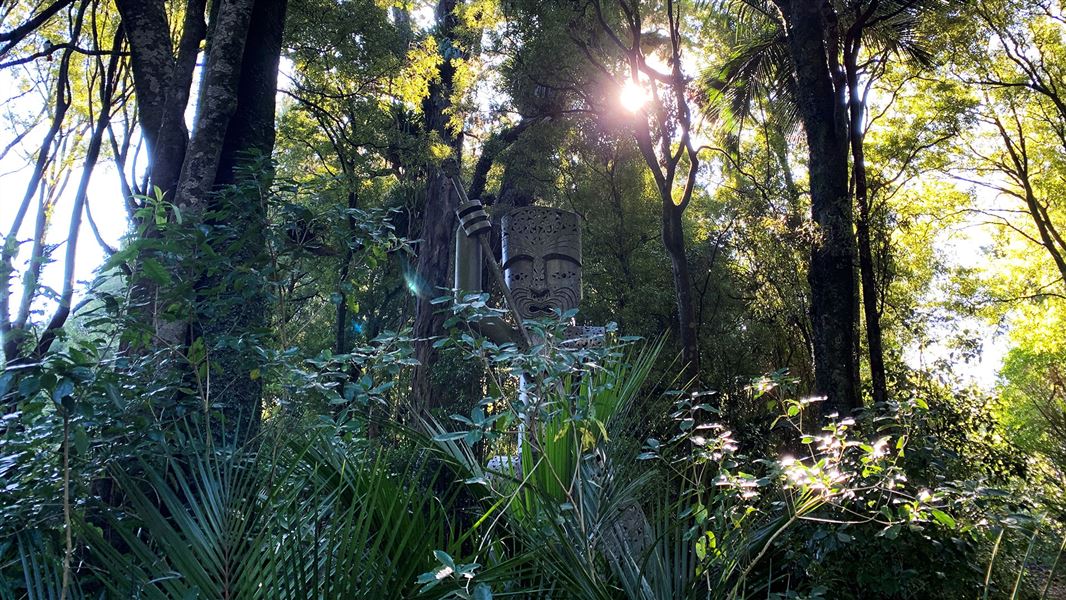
(62, 311)
(107, 248)
(48, 52)
(12, 338)
(16, 35)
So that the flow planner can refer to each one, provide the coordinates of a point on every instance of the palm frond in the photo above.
(320, 524)
(41, 567)
(895, 31)
(759, 65)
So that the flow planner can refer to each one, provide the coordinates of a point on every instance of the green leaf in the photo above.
(445, 559)
(482, 592)
(891, 532)
(5, 383)
(81, 440)
(64, 389)
(428, 579)
(451, 436)
(943, 518)
(197, 351)
(155, 271)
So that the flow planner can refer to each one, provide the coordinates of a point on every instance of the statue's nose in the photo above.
(539, 285)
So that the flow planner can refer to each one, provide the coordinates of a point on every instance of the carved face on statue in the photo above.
(542, 259)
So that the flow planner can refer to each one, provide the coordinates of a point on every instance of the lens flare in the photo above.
(633, 96)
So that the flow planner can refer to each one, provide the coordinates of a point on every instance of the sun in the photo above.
(633, 96)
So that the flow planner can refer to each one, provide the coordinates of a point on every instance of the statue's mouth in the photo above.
(539, 309)
(538, 305)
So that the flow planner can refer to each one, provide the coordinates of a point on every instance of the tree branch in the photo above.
(10, 337)
(16, 35)
(52, 50)
(62, 311)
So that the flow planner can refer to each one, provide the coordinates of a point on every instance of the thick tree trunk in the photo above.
(834, 289)
(216, 105)
(434, 260)
(438, 223)
(234, 127)
(241, 181)
(870, 295)
(674, 242)
(515, 191)
(163, 81)
(251, 134)
(492, 150)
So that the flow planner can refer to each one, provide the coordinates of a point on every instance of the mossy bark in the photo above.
(834, 287)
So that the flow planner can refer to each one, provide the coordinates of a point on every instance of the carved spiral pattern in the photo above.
(542, 259)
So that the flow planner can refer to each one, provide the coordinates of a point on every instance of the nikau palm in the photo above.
(813, 57)
(297, 521)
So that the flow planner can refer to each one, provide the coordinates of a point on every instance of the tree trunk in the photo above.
(241, 181)
(13, 334)
(438, 222)
(163, 82)
(233, 129)
(834, 289)
(251, 129)
(434, 260)
(216, 105)
(340, 345)
(674, 242)
(870, 295)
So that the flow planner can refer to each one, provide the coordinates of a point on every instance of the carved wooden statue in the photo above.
(542, 260)
(541, 264)
(541, 274)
